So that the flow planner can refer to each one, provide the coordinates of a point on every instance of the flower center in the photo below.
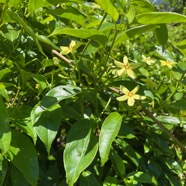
(130, 94)
(127, 66)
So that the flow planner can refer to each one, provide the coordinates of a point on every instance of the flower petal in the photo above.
(124, 90)
(130, 101)
(131, 73)
(121, 72)
(135, 90)
(122, 98)
(119, 64)
(125, 60)
(72, 44)
(65, 50)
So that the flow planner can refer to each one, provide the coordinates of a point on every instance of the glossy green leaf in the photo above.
(23, 155)
(160, 18)
(5, 133)
(47, 126)
(87, 178)
(109, 7)
(52, 98)
(46, 116)
(169, 120)
(80, 150)
(109, 131)
(94, 35)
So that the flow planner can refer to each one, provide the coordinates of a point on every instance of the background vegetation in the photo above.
(63, 65)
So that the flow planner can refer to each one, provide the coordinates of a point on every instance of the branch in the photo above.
(150, 115)
(61, 56)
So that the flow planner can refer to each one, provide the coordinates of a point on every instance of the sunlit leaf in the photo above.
(109, 7)
(80, 150)
(160, 18)
(94, 35)
(109, 131)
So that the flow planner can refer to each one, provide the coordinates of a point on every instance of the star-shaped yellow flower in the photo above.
(125, 68)
(66, 50)
(169, 64)
(130, 96)
(148, 60)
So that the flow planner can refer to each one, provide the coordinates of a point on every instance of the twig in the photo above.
(150, 115)
(61, 56)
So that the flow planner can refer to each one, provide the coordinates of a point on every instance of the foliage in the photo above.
(64, 119)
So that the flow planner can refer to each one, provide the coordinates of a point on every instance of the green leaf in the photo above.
(87, 178)
(5, 133)
(161, 34)
(181, 46)
(3, 169)
(3, 91)
(118, 164)
(108, 6)
(80, 150)
(47, 126)
(142, 6)
(52, 98)
(169, 120)
(20, 117)
(179, 105)
(33, 5)
(23, 155)
(141, 177)
(92, 34)
(17, 178)
(109, 131)
(123, 36)
(70, 14)
(4, 72)
(160, 18)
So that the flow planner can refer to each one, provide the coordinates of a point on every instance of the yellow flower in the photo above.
(125, 68)
(148, 60)
(169, 64)
(66, 50)
(130, 96)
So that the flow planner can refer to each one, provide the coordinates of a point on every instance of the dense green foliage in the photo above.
(92, 93)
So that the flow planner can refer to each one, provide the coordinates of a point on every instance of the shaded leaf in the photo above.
(87, 178)
(23, 155)
(5, 133)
